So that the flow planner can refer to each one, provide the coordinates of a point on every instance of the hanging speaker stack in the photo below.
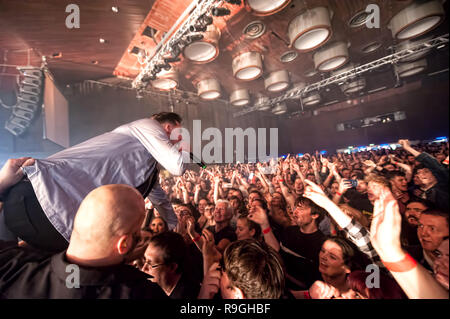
(29, 100)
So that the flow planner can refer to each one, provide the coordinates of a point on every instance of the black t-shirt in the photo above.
(33, 275)
(305, 270)
(306, 245)
(225, 233)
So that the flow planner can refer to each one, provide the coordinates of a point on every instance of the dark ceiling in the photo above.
(31, 29)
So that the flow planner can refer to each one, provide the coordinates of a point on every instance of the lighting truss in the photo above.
(193, 12)
(390, 59)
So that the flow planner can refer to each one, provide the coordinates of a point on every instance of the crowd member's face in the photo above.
(302, 215)
(431, 231)
(154, 265)
(277, 199)
(441, 264)
(400, 183)
(298, 187)
(416, 180)
(334, 188)
(346, 173)
(426, 178)
(157, 226)
(361, 187)
(203, 185)
(202, 205)
(411, 159)
(374, 190)
(331, 260)
(235, 203)
(413, 211)
(440, 157)
(221, 213)
(209, 211)
(252, 197)
(242, 229)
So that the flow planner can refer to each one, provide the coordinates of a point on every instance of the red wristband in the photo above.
(267, 230)
(306, 294)
(404, 265)
(196, 239)
(339, 194)
(281, 181)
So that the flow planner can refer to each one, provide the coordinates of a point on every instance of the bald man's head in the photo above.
(106, 213)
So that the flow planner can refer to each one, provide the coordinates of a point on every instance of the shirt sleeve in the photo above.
(155, 140)
(360, 236)
(159, 199)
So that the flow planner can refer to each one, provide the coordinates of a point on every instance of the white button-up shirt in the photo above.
(126, 155)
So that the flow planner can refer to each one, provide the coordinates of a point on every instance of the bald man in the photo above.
(106, 230)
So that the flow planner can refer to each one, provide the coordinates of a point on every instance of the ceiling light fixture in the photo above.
(312, 99)
(288, 56)
(267, 7)
(311, 29)
(205, 49)
(331, 57)
(240, 97)
(354, 86)
(279, 109)
(277, 81)
(167, 80)
(209, 89)
(412, 68)
(115, 9)
(247, 66)
(417, 19)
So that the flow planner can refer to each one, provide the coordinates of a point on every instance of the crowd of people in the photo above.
(365, 225)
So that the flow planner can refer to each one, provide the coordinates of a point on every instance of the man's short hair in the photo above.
(436, 212)
(255, 268)
(391, 175)
(315, 209)
(173, 249)
(378, 179)
(167, 117)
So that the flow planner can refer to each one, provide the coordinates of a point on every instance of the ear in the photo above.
(252, 232)
(238, 294)
(347, 269)
(123, 244)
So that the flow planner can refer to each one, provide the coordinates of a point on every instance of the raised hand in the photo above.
(315, 193)
(321, 290)
(343, 186)
(404, 143)
(386, 227)
(370, 163)
(209, 250)
(211, 282)
(259, 216)
(11, 173)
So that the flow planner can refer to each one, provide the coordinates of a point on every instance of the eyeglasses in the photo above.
(147, 263)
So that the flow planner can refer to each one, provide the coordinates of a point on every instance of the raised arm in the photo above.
(385, 231)
(259, 216)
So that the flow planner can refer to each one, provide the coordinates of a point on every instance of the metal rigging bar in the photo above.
(390, 59)
(194, 11)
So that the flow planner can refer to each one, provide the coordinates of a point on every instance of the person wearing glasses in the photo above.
(166, 260)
